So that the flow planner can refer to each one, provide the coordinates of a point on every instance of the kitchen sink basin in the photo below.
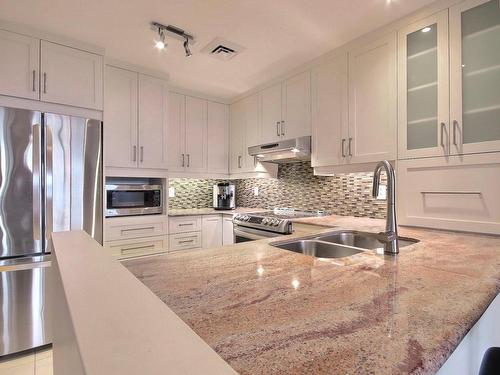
(339, 244)
(318, 249)
(363, 240)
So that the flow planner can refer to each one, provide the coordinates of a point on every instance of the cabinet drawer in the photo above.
(185, 241)
(137, 247)
(121, 231)
(182, 224)
(460, 193)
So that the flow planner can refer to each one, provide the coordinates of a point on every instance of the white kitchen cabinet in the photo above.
(423, 92)
(475, 77)
(329, 112)
(137, 247)
(181, 224)
(245, 132)
(296, 110)
(271, 113)
(153, 122)
(120, 117)
(71, 76)
(176, 132)
(217, 138)
(184, 241)
(237, 136)
(455, 193)
(135, 120)
(196, 134)
(19, 65)
(286, 109)
(227, 230)
(211, 233)
(372, 101)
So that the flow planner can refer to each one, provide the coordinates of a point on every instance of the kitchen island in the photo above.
(267, 310)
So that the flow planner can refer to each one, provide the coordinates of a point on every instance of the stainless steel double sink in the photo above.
(339, 244)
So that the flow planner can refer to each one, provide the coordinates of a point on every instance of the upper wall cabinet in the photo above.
(135, 120)
(41, 70)
(286, 109)
(329, 112)
(19, 65)
(153, 122)
(373, 101)
(198, 135)
(218, 137)
(475, 76)
(245, 132)
(70, 76)
(120, 117)
(423, 88)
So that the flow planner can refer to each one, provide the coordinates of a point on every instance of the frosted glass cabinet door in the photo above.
(475, 76)
(423, 88)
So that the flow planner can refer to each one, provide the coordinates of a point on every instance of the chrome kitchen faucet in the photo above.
(390, 236)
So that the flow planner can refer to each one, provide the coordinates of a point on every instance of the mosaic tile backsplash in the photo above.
(296, 186)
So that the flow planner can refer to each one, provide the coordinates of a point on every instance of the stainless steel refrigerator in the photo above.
(50, 180)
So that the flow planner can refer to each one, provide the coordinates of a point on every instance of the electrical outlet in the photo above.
(171, 192)
(255, 191)
(382, 192)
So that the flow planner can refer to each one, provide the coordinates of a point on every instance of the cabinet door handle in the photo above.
(441, 135)
(455, 125)
(342, 147)
(134, 154)
(278, 128)
(349, 146)
(186, 225)
(44, 83)
(142, 154)
(451, 192)
(188, 160)
(186, 241)
(239, 161)
(137, 248)
(182, 160)
(34, 80)
(134, 229)
(282, 127)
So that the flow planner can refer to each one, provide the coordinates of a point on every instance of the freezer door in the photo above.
(20, 197)
(73, 175)
(25, 318)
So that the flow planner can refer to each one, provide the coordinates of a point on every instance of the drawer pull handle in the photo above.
(186, 241)
(138, 248)
(134, 229)
(452, 192)
(186, 224)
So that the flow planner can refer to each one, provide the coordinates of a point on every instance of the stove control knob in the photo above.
(264, 221)
(276, 222)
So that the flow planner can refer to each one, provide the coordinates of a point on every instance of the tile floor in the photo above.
(38, 362)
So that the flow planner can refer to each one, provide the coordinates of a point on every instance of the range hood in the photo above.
(286, 151)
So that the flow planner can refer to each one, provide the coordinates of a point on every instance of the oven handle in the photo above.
(253, 234)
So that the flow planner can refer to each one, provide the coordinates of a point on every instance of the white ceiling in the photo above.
(278, 35)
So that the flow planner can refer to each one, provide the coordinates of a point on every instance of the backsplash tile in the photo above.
(296, 186)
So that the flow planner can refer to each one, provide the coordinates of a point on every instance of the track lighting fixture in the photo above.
(186, 47)
(172, 31)
(160, 44)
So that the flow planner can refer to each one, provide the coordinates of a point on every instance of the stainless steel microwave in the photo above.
(131, 200)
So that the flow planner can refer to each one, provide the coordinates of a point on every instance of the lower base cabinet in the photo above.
(455, 193)
(227, 230)
(211, 232)
(137, 247)
(185, 241)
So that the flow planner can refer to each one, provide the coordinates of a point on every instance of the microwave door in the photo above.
(73, 175)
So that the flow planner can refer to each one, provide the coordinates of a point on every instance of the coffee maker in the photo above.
(224, 196)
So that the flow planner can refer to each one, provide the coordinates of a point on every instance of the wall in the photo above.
(296, 186)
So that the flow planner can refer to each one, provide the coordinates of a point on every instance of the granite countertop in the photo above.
(211, 211)
(266, 310)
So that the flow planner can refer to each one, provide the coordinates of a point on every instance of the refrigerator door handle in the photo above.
(35, 152)
(49, 162)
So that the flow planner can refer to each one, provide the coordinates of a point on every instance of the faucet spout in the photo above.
(390, 236)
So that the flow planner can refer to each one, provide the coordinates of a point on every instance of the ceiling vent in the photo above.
(222, 49)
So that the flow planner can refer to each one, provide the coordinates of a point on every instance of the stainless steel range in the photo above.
(267, 224)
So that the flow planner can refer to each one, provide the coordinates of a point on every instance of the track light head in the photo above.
(160, 44)
(186, 47)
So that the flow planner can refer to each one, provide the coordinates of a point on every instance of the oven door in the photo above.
(245, 234)
(126, 200)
